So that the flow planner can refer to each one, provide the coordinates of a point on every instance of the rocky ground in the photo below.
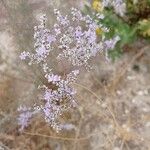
(113, 99)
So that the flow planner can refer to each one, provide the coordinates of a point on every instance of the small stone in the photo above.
(119, 92)
(104, 105)
(116, 148)
(140, 93)
(130, 77)
(126, 111)
(148, 124)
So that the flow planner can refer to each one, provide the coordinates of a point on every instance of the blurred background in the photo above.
(113, 110)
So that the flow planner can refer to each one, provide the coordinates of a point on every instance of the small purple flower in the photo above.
(51, 39)
(110, 44)
(119, 6)
(24, 55)
(24, 117)
(53, 78)
(41, 51)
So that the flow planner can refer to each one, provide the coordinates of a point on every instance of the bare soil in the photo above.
(113, 110)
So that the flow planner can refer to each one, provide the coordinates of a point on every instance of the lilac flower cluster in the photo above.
(110, 44)
(119, 6)
(58, 99)
(26, 114)
(55, 100)
(75, 38)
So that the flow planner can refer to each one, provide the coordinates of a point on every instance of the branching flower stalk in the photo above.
(73, 37)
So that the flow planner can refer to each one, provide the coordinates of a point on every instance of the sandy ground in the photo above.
(113, 99)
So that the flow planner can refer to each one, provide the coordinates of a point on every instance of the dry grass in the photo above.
(113, 112)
